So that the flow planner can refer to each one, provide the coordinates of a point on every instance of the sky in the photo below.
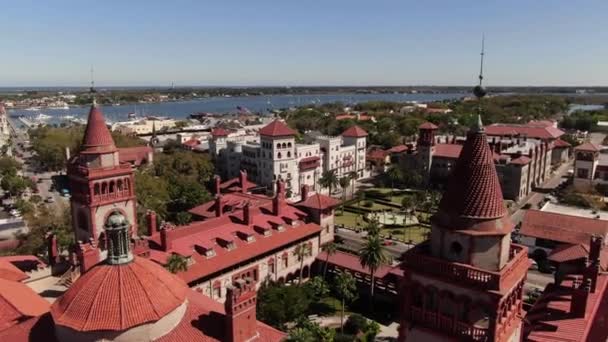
(300, 43)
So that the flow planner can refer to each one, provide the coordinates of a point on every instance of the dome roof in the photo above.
(116, 220)
(119, 297)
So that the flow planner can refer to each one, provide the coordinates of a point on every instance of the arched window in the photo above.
(288, 154)
(279, 155)
(96, 189)
(119, 184)
(111, 187)
(288, 144)
(284, 145)
(278, 145)
(104, 188)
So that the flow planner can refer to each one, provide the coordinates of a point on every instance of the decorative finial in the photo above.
(478, 126)
(92, 90)
(479, 90)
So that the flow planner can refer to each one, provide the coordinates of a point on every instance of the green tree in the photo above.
(344, 182)
(41, 221)
(14, 185)
(9, 166)
(317, 288)
(346, 289)
(306, 330)
(278, 304)
(372, 255)
(176, 263)
(301, 251)
(373, 227)
(395, 175)
(328, 180)
(329, 249)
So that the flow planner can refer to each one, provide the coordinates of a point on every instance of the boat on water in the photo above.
(42, 117)
(33, 109)
(68, 117)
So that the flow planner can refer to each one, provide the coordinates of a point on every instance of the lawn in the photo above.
(415, 233)
(348, 219)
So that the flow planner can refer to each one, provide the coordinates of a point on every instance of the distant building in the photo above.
(143, 126)
(275, 155)
(522, 163)
(590, 167)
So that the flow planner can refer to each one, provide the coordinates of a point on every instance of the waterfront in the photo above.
(221, 105)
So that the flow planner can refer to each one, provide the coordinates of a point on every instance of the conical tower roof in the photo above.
(474, 196)
(97, 137)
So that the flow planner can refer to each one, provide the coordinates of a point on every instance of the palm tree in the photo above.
(407, 204)
(373, 227)
(344, 181)
(395, 176)
(353, 175)
(176, 263)
(330, 249)
(372, 255)
(328, 180)
(301, 251)
(346, 289)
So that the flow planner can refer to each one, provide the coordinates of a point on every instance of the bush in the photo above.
(355, 324)
(368, 204)
(344, 338)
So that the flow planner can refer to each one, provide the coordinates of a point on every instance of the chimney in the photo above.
(578, 304)
(151, 220)
(219, 210)
(52, 249)
(304, 192)
(243, 180)
(247, 213)
(593, 270)
(279, 198)
(165, 240)
(241, 321)
(218, 181)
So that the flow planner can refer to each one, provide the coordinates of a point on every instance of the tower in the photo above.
(426, 148)
(466, 282)
(279, 157)
(100, 185)
(240, 311)
(218, 148)
(357, 136)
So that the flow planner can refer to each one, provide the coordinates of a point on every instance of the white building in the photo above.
(274, 154)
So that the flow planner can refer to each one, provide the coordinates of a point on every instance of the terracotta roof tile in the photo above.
(561, 143)
(562, 228)
(447, 150)
(398, 149)
(474, 190)
(118, 297)
(277, 128)
(354, 132)
(521, 160)
(589, 147)
(319, 201)
(17, 301)
(97, 137)
(428, 125)
(136, 155)
(530, 131)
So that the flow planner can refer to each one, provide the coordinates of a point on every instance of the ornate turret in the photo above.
(117, 234)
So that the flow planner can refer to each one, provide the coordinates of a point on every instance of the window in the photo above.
(582, 173)
(278, 145)
(279, 155)
(288, 144)
(455, 248)
(288, 154)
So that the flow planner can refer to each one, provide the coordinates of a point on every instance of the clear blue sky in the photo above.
(312, 42)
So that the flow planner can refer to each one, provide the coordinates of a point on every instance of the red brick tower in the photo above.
(241, 322)
(466, 282)
(100, 185)
(425, 148)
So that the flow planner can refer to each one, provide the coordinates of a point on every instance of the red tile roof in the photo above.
(118, 297)
(588, 147)
(277, 128)
(447, 150)
(17, 302)
(473, 191)
(219, 132)
(562, 228)
(521, 160)
(354, 132)
(97, 137)
(568, 252)
(428, 125)
(8, 271)
(12, 267)
(351, 262)
(204, 321)
(377, 154)
(319, 201)
(551, 320)
(530, 131)
(136, 155)
(561, 143)
(398, 149)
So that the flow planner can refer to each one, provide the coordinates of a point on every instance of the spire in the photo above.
(118, 241)
(478, 126)
(97, 137)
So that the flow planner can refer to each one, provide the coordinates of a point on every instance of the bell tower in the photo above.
(100, 185)
(466, 282)
(425, 148)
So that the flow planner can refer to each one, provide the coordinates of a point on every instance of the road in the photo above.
(24, 156)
